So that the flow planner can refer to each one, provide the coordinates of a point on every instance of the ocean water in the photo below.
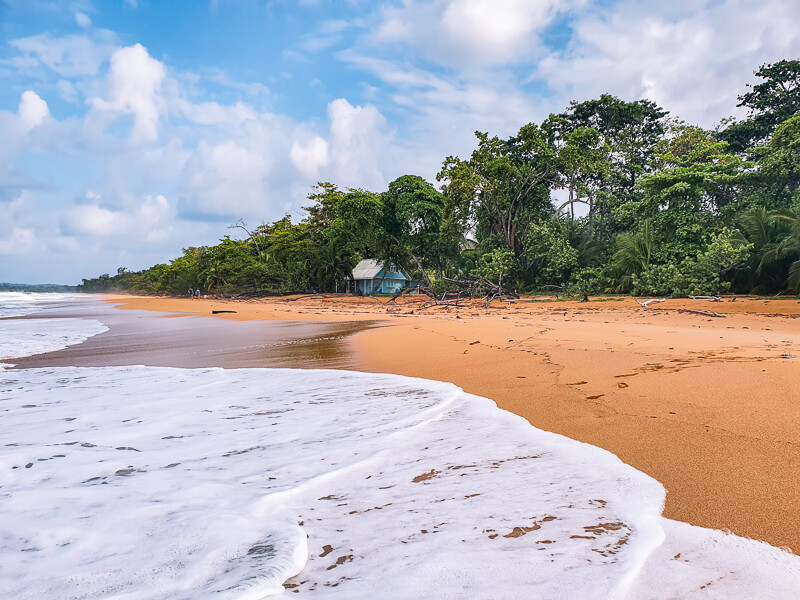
(146, 482)
(14, 304)
(27, 337)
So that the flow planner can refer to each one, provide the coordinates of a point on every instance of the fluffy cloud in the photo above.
(310, 156)
(146, 222)
(358, 137)
(134, 81)
(224, 179)
(691, 61)
(470, 33)
(251, 169)
(32, 110)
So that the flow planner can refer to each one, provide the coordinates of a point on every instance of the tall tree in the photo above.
(505, 184)
(697, 177)
(770, 103)
(631, 131)
(413, 220)
(583, 161)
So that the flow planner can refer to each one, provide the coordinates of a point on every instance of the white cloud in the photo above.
(21, 241)
(327, 33)
(66, 91)
(69, 56)
(212, 113)
(82, 19)
(254, 89)
(134, 80)
(693, 61)
(309, 157)
(144, 222)
(470, 33)
(32, 110)
(358, 139)
(229, 178)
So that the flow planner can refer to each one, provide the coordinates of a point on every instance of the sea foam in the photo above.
(26, 337)
(143, 482)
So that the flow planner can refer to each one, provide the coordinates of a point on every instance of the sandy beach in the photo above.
(707, 405)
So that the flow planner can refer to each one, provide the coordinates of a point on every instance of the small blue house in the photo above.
(372, 277)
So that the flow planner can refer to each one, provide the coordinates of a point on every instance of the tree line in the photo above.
(607, 197)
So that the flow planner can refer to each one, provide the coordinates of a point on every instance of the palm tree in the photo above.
(632, 256)
(213, 276)
(764, 230)
(332, 262)
(790, 246)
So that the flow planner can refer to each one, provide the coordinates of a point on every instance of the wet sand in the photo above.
(709, 406)
(158, 339)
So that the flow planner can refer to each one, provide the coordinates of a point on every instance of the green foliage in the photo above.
(701, 276)
(504, 186)
(497, 265)
(592, 280)
(632, 256)
(770, 103)
(548, 253)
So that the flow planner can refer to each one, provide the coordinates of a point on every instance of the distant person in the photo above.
(191, 294)
(197, 293)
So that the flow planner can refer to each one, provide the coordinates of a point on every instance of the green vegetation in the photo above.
(667, 209)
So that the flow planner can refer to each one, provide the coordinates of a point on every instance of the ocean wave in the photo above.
(26, 337)
(16, 304)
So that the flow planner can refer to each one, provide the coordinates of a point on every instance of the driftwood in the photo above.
(647, 302)
(309, 296)
(402, 292)
(216, 312)
(709, 298)
(440, 303)
(471, 287)
(705, 313)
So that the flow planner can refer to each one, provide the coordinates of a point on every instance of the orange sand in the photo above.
(708, 406)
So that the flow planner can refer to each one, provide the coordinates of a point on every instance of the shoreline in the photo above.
(707, 406)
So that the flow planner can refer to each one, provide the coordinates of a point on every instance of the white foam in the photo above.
(26, 337)
(140, 482)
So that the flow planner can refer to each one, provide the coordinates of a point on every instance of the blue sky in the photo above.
(134, 128)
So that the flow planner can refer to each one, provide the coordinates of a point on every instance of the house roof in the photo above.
(370, 268)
